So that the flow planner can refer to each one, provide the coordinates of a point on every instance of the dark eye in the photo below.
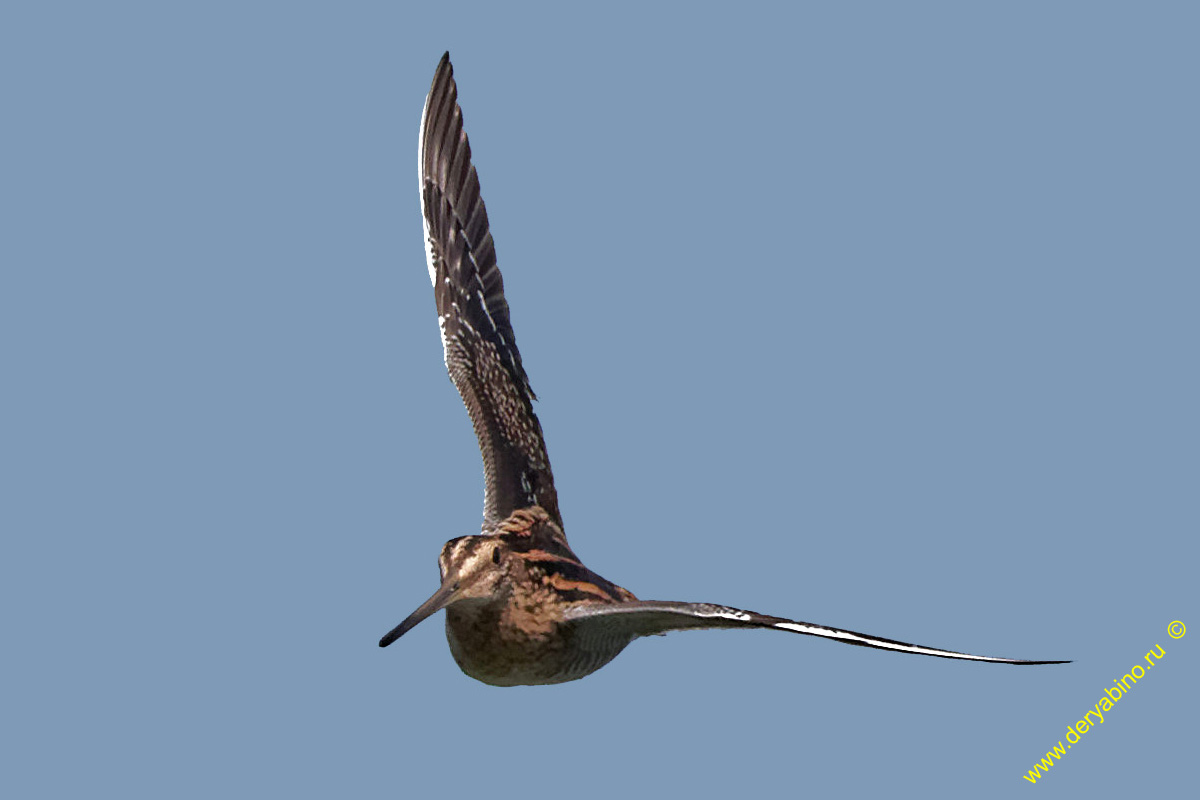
(495, 555)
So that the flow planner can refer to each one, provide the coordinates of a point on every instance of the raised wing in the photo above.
(477, 337)
(647, 618)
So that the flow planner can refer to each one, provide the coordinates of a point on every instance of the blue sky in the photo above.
(870, 316)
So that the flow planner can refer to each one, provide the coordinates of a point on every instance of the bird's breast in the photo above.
(511, 645)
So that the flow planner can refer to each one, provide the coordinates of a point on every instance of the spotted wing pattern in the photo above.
(647, 618)
(477, 337)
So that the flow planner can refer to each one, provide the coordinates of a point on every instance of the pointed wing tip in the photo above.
(443, 74)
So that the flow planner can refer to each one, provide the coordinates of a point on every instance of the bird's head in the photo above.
(473, 570)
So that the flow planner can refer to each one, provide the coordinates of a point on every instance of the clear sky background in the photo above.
(876, 315)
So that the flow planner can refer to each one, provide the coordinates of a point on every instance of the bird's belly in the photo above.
(490, 649)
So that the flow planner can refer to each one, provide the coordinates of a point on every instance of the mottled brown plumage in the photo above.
(521, 608)
(517, 633)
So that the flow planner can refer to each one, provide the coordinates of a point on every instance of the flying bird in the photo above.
(521, 608)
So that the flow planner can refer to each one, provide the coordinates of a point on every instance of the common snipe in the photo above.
(521, 608)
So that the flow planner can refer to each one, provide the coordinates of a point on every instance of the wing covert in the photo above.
(477, 338)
